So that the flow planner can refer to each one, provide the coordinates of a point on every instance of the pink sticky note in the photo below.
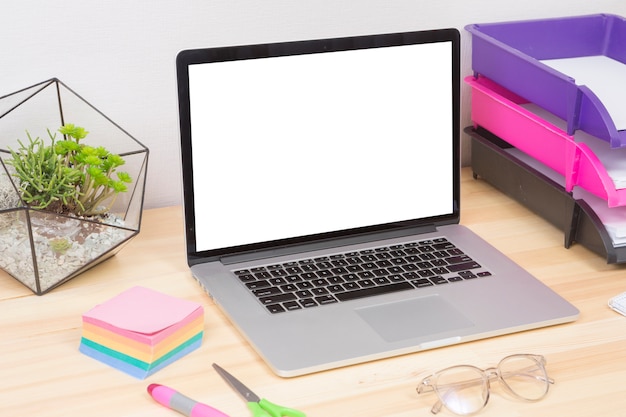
(143, 314)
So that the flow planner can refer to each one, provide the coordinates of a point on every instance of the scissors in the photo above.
(259, 407)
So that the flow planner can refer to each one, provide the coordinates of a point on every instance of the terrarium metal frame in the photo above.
(43, 249)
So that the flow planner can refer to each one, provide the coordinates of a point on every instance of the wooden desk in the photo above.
(42, 372)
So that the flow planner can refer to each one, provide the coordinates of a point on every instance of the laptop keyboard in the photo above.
(350, 275)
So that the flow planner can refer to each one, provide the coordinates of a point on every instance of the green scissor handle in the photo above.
(264, 408)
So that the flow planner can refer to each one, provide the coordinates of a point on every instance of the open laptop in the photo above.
(321, 199)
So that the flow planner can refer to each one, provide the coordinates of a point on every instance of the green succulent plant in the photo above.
(60, 245)
(66, 175)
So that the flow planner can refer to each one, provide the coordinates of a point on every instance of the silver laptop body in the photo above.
(331, 150)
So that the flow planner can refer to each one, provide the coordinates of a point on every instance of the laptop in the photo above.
(321, 202)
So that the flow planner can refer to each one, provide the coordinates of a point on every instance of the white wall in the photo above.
(119, 54)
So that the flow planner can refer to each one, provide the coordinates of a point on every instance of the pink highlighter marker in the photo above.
(178, 402)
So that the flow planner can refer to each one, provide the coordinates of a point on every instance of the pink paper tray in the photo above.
(500, 111)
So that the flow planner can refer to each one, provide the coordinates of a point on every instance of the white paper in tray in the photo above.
(605, 76)
(613, 218)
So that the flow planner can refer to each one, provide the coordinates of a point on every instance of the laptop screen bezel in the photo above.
(186, 58)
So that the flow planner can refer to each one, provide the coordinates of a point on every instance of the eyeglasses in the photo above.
(464, 389)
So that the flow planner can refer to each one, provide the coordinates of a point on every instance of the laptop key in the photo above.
(275, 308)
(320, 282)
(381, 281)
(420, 283)
(293, 278)
(326, 299)
(365, 275)
(308, 302)
(255, 285)
(354, 268)
(324, 265)
(367, 292)
(351, 286)
(319, 291)
(463, 266)
(336, 280)
(264, 292)
(410, 267)
(277, 298)
(335, 288)
(437, 280)
(458, 259)
(324, 273)
(292, 305)
(288, 288)
(369, 265)
(380, 272)
(246, 278)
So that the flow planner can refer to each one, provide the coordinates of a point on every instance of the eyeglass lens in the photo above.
(525, 376)
(465, 389)
(462, 389)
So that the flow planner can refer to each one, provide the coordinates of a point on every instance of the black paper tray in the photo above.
(493, 161)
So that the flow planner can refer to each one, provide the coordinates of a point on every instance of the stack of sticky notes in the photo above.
(141, 331)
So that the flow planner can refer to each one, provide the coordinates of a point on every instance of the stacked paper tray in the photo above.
(583, 160)
(573, 67)
(141, 331)
(583, 218)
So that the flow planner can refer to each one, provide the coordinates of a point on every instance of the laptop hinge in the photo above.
(324, 244)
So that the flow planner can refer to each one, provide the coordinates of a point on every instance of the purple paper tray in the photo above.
(509, 53)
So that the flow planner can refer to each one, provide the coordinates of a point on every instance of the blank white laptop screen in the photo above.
(308, 144)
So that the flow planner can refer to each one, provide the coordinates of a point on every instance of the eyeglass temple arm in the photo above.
(424, 386)
(437, 407)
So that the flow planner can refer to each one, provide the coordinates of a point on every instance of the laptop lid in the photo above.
(318, 141)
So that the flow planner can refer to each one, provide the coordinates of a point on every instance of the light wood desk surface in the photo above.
(42, 372)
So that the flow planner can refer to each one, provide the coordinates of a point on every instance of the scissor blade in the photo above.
(244, 391)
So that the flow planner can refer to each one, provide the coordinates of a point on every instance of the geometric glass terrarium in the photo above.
(43, 247)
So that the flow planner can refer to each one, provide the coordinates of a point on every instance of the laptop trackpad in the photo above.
(413, 318)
